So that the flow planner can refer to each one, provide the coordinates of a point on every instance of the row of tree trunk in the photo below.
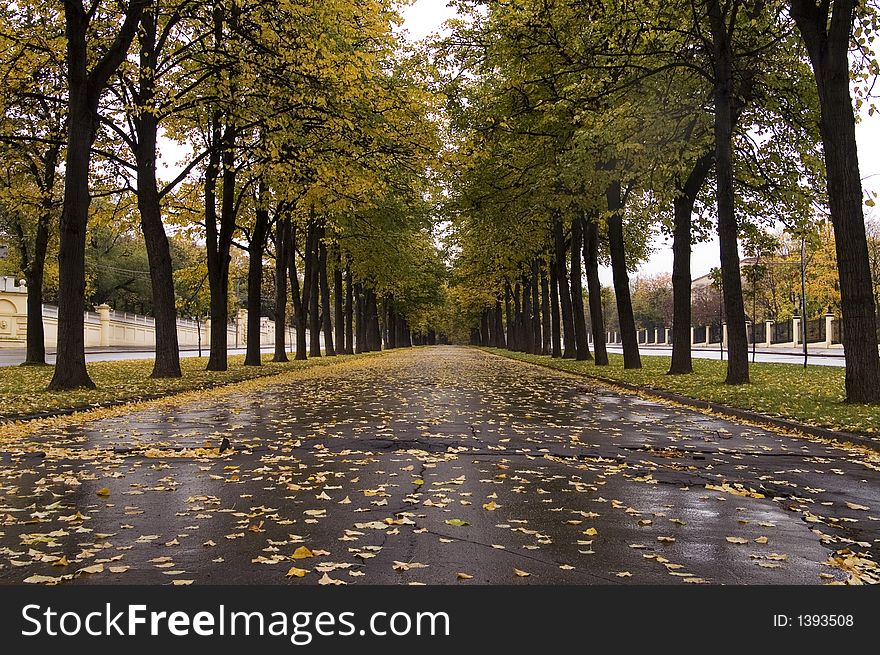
(544, 311)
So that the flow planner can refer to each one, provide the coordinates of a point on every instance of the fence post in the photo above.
(768, 333)
(829, 328)
(104, 315)
(795, 330)
(241, 327)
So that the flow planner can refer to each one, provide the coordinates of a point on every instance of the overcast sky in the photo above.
(426, 16)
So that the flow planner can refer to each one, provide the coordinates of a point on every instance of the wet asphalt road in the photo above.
(433, 465)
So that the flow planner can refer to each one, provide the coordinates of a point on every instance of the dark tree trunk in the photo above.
(484, 328)
(299, 300)
(349, 313)
(255, 285)
(338, 304)
(326, 322)
(577, 292)
(390, 325)
(511, 318)
(84, 89)
(282, 235)
(556, 328)
(828, 42)
(219, 242)
(731, 278)
(534, 284)
(499, 326)
(594, 290)
(568, 335)
(683, 209)
(146, 124)
(313, 299)
(547, 338)
(360, 338)
(527, 316)
(374, 335)
(35, 262)
(617, 246)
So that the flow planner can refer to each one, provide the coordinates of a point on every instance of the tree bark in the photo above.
(256, 246)
(83, 94)
(349, 313)
(546, 337)
(582, 347)
(731, 278)
(282, 232)
(220, 241)
(299, 300)
(535, 289)
(511, 318)
(594, 291)
(828, 43)
(360, 333)
(313, 299)
(617, 246)
(556, 328)
(500, 341)
(146, 124)
(374, 336)
(683, 209)
(568, 330)
(34, 263)
(338, 303)
(326, 322)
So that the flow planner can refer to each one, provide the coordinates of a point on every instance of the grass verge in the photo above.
(23, 388)
(814, 396)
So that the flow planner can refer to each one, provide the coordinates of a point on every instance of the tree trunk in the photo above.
(617, 246)
(484, 328)
(555, 327)
(511, 318)
(568, 334)
(35, 264)
(535, 288)
(594, 290)
(146, 124)
(299, 300)
(499, 326)
(360, 343)
(282, 231)
(349, 313)
(326, 322)
(338, 303)
(683, 209)
(828, 43)
(374, 335)
(547, 338)
(582, 346)
(731, 278)
(219, 242)
(313, 299)
(254, 287)
(84, 89)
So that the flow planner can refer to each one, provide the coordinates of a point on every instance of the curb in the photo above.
(852, 438)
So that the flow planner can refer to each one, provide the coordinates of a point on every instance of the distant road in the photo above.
(817, 357)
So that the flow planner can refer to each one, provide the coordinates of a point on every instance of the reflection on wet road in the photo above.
(433, 465)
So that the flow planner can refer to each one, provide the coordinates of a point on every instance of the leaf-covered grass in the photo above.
(814, 396)
(23, 388)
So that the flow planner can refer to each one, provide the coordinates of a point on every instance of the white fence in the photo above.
(107, 327)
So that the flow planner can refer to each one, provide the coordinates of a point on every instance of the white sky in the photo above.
(425, 16)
